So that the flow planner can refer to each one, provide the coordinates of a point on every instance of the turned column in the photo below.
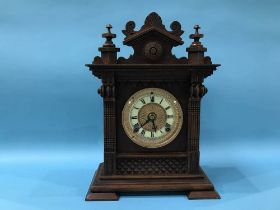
(107, 91)
(196, 92)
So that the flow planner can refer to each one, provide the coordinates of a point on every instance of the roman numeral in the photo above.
(135, 107)
(152, 97)
(136, 128)
(167, 108)
(143, 101)
(143, 132)
(169, 116)
(152, 135)
(161, 101)
(167, 127)
(134, 117)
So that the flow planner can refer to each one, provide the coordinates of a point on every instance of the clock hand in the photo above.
(137, 128)
(154, 126)
(147, 121)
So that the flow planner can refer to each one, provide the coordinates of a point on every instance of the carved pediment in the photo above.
(153, 42)
(153, 22)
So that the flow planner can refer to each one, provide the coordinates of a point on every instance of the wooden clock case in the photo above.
(127, 166)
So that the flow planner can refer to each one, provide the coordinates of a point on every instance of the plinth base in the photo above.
(107, 188)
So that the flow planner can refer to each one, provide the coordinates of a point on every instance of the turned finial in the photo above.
(109, 36)
(196, 36)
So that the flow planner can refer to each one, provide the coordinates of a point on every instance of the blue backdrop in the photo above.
(51, 115)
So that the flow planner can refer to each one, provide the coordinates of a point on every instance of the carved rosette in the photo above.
(153, 50)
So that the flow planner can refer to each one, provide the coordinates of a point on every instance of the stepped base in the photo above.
(107, 188)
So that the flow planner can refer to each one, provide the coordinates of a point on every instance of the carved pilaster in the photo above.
(107, 91)
(196, 92)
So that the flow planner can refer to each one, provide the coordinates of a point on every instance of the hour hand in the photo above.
(154, 126)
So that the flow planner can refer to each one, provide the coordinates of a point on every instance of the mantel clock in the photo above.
(151, 113)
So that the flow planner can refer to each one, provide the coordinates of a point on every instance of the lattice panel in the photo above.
(151, 166)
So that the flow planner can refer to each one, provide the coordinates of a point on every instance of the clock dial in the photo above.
(152, 117)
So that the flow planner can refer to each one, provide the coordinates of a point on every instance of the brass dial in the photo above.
(152, 117)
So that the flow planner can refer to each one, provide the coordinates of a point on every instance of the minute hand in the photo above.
(147, 121)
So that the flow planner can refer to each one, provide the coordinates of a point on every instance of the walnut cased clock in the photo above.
(151, 113)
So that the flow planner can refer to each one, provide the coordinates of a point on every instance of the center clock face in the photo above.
(152, 117)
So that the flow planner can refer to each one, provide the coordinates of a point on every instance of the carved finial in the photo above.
(109, 36)
(153, 20)
(196, 27)
(109, 26)
(196, 49)
(196, 36)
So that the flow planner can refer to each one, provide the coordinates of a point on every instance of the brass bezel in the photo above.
(164, 140)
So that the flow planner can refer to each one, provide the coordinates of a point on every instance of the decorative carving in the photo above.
(97, 60)
(197, 90)
(196, 49)
(196, 36)
(207, 60)
(153, 50)
(151, 166)
(182, 60)
(107, 91)
(153, 20)
(108, 50)
(129, 28)
(109, 36)
(109, 136)
(129, 167)
(101, 91)
(176, 28)
(193, 134)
